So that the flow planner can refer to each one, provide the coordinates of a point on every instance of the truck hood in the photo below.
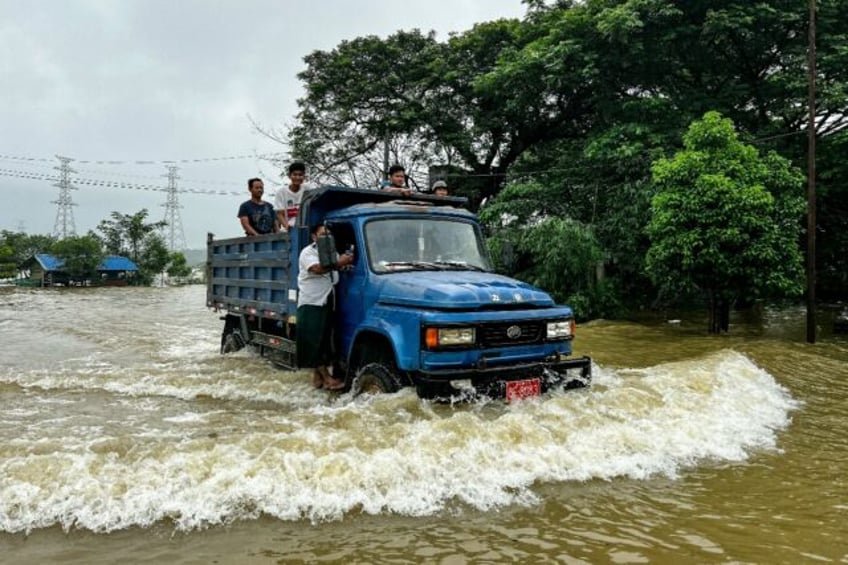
(459, 290)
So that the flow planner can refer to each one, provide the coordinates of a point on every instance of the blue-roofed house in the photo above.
(115, 270)
(43, 269)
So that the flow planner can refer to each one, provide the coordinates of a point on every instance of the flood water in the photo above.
(126, 437)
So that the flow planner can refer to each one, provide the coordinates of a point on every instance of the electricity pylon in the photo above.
(64, 225)
(174, 235)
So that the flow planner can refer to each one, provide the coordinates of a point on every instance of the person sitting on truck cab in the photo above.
(288, 198)
(315, 312)
(257, 216)
(397, 181)
(440, 188)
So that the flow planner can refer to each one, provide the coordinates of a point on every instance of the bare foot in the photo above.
(333, 384)
(330, 382)
(317, 379)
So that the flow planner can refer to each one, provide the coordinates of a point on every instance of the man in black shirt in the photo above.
(257, 216)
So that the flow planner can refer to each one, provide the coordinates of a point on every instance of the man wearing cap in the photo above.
(288, 198)
(440, 188)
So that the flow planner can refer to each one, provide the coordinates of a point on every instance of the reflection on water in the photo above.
(120, 416)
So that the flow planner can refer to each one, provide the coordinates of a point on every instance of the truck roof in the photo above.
(319, 202)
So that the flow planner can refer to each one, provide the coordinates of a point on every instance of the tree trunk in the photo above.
(719, 320)
(724, 315)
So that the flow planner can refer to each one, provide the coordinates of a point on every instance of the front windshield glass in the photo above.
(404, 244)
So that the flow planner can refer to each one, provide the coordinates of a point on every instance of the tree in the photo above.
(125, 234)
(177, 266)
(81, 256)
(450, 96)
(725, 221)
(130, 236)
(153, 258)
(535, 240)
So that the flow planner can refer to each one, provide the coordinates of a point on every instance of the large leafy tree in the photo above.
(725, 221)
(450, 95)
(657, 65)
(81, 256)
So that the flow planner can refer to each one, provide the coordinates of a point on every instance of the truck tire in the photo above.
(231, 342)
(375, 378)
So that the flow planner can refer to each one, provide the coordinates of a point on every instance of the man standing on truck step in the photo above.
(397, 181)
(257, 216)
(287, 200)
(315, 300)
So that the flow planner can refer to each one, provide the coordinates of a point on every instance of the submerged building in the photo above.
(44, 269)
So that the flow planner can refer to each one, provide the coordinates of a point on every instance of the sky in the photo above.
(126, 88)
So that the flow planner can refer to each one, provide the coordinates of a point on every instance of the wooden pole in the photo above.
(811, 177)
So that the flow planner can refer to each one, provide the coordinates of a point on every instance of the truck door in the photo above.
(350, 308)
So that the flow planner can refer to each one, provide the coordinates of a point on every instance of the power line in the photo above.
(146, 162)
(112, 184)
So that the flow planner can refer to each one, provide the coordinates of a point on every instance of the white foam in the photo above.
(397, 454)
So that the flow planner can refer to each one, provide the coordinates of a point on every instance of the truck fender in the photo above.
(374, 343)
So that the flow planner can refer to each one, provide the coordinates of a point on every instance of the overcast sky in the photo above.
(124, 81)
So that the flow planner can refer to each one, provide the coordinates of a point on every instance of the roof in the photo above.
(110, 263)
(49, 262)
(116, 263)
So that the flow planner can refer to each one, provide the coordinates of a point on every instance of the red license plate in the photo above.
(516, 390)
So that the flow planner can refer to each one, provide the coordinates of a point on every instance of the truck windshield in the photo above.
(404, 244)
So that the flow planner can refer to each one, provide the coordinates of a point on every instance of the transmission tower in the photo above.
(64, 225)
(174, 235)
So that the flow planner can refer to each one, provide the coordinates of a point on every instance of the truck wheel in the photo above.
(375, 378)
(231, 342)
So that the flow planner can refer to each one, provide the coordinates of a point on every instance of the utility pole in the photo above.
(386, 157)
(811, 177)
(64, 224)
(175, 236)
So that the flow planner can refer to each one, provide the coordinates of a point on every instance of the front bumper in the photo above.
(492, 380)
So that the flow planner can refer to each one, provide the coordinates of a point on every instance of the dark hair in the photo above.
(297, 166)
(396, 168)
(313, 229)
(253, 180)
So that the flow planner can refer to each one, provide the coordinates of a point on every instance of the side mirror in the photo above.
(327, 255)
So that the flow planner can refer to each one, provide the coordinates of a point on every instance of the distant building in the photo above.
(44, 269)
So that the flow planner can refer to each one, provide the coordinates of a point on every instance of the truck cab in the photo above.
(420, 306)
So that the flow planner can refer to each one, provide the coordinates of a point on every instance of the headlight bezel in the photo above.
(449, 337)
(560, 330)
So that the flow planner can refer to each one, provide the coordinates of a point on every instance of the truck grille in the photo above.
(500, 334)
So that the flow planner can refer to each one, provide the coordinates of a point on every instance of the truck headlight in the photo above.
(560, 329)
(445, 337)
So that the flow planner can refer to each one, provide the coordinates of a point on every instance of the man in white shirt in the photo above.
(288, 198)
(315, 312)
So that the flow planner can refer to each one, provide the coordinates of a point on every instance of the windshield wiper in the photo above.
(423, 265)
(459, 265)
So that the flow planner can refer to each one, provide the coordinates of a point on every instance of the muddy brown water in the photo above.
(126, 437)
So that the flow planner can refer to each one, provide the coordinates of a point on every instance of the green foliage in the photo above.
(17, 247)
(81, 255)
(8, 264)
(534, 240)
(154, 258)
(724, 219)
(177, 266)
(582, 97)
(130, 236)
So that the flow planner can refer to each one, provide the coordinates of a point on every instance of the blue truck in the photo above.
(420, 306)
